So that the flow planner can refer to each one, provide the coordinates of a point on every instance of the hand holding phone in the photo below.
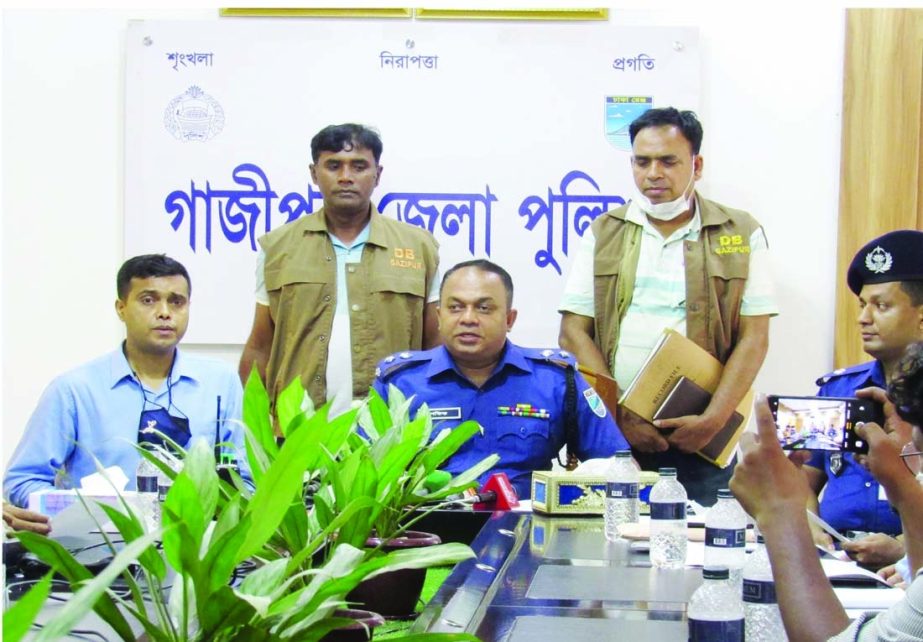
(823, 423)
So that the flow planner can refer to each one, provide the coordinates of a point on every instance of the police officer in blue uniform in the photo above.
(529, 402)
(887, 276)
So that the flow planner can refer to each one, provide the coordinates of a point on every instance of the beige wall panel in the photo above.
(880, 187)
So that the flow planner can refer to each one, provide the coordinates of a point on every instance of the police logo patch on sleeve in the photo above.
(836, 464)
(594, 402)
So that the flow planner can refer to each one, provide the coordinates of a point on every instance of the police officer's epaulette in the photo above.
(558, 357)
(842, 372)
(398, 361)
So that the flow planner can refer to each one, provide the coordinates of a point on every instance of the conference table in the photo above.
(539, 577)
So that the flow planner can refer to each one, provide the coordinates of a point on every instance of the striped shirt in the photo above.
(903, 621)
(659, 296)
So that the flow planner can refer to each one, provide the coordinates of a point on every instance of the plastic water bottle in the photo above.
(761, 609)
(716, 612)
(164, 482)
(725, 536)
(148, 500)
(622, 483)
(668, 521)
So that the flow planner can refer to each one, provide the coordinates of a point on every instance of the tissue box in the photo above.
(558, 492)
(52, 502)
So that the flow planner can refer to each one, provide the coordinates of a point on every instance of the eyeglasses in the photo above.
(913, 457)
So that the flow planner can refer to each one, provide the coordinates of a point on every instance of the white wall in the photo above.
(771, 103)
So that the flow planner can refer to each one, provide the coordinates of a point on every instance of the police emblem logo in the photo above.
(836, 464)
(194, 116)
(594, 402)
(878, 260)
(617, 116)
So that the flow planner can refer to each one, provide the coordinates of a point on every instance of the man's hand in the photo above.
(691, 433)
(766, 482)
(890, 575)
(875, 550)
(884, 458)
(20, 519)
(640, 434)
(893, 423)
(822, 538)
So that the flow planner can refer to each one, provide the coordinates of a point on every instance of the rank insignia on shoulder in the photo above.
(594, 402)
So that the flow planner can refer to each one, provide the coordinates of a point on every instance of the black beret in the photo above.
(895, 256)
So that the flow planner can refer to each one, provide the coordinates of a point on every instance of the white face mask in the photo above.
(669, 210)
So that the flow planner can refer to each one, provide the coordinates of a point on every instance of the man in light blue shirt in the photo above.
(99, 409)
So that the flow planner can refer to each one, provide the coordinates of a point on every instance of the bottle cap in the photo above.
(725, 493)
(715, 573)
(668, 472)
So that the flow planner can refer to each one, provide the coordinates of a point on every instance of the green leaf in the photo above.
(348, 515)
(289, 404)
(94, 591)
(180, 547)
(295, 606)
(256, 415)
(323, 511)
(284, 479)
(222, 614)
(221, 557)
(438, 637)
(294, 525)
(131, 530)
(18, 619)
(465, 479)
(445, 445)
(374, 416)
(60, 559)
(423, 557)
(228, 518)
(200, 470)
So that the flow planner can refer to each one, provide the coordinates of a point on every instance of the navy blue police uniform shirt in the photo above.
(852, 499)
(520, 408)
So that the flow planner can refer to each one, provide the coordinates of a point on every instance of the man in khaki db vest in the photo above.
(342, 288)
(671, 259)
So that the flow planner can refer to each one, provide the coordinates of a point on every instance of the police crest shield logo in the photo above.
(619, 112)
(878, 261)
(836, 464)
(594, 402)
(194, 115)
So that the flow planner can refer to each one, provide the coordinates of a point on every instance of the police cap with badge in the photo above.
(895, 256)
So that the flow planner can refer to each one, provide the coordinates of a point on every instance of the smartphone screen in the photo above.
(822, 423)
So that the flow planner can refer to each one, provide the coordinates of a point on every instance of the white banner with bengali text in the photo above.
(503, 139)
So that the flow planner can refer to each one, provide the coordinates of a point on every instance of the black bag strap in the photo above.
(570, 419)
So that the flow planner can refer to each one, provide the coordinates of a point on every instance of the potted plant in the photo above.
(392, 461)
(202, 546)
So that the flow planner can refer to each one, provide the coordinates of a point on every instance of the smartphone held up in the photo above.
(822, 423)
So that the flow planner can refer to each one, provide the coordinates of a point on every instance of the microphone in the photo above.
(497, 494)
